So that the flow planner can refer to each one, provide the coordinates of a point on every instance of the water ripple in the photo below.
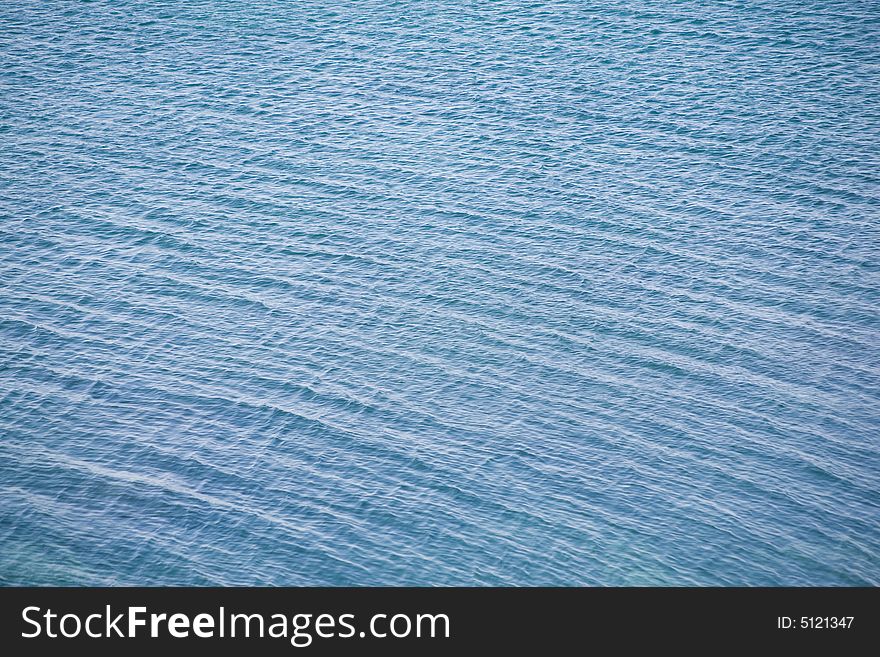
(439, 293)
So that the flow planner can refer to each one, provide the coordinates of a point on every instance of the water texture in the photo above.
(494, 293)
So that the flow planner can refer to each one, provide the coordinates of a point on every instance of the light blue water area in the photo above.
(440, 292)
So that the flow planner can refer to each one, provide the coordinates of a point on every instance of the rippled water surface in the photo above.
(440, 292)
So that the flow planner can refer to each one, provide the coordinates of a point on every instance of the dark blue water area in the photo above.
(440, 293)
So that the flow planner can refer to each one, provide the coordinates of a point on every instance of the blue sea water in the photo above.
(441, 292)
